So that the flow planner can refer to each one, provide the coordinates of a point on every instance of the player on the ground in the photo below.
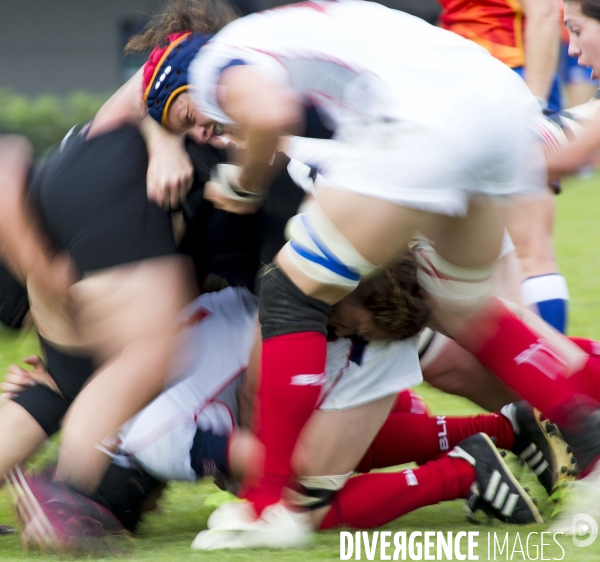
(186, 433)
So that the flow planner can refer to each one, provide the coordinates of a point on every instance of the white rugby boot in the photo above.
(234, 525)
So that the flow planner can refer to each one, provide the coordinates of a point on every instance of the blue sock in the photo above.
(209, 453)
(550, 296)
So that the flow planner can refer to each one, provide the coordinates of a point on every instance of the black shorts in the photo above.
(70, 374)
(91, 199)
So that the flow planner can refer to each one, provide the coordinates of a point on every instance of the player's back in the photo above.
(362, 35)
(348, 58)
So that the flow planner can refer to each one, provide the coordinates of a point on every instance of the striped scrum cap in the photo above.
(166, 71)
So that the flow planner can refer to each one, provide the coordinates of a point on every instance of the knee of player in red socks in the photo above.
(409, 402)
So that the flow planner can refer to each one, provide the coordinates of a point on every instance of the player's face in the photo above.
(584, 37)
(350, 318)
(183, 117)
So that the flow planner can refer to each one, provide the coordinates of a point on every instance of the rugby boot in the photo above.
(55, 518)
(235, 525)
(495, 491)
(539, 444)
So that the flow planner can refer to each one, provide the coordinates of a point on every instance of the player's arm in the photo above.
(125, 106)
(576, 154)
(20, 245)
(23, 247)
(170, 171)
(542, 39)
(265, 111)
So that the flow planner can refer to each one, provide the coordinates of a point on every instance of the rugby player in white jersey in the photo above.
(405, 162)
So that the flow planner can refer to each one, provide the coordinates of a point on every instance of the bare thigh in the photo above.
(334, 441)
(452, 369)
(379, 230)
(20, 435)
(128, 317)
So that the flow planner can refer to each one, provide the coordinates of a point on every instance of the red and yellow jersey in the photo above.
(496, 25)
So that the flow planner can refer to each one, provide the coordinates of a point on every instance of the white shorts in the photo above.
(358, 376)
(485, 147)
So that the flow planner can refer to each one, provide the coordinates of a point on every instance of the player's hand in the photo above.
(170, 171)
(17, 379)
(224, 192)
(220, 201)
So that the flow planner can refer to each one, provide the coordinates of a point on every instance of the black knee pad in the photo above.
(285, 309)
(45, 406)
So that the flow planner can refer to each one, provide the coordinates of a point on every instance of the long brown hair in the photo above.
(201, 16)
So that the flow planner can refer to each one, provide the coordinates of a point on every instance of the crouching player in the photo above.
(363, 420)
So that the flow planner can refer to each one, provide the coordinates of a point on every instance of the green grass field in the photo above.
(166, 535)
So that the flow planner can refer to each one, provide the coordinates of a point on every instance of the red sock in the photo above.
(587, 380)
(292, 373)
(591, 347)
(519, 357)
(406, 438)
(409, 402)
(372, 500)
